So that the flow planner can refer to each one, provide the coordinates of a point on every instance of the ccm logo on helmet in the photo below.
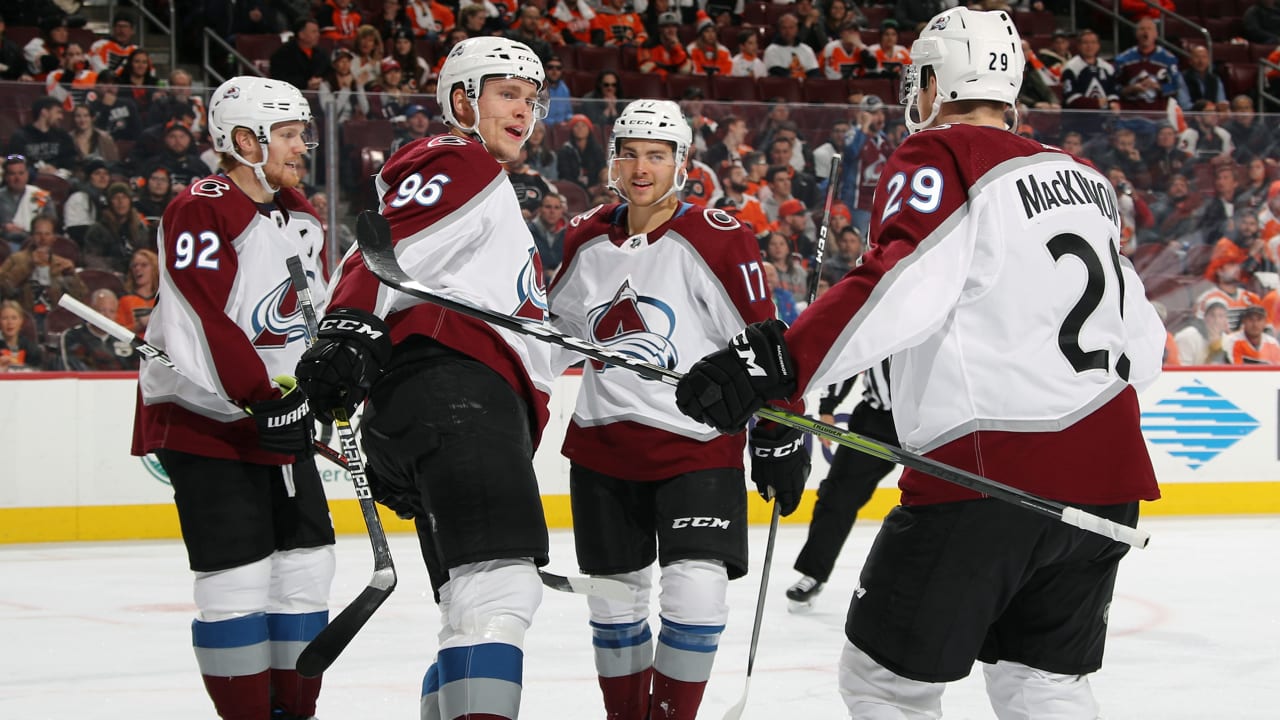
(700, 522)
(352, 326)
(778, 452)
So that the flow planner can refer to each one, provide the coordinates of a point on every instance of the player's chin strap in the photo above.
(257, 167)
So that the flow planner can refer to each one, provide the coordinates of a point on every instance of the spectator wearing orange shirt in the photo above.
(1135, 10)
(573, 19)
(428, 18)
(72, 82)
(140, 285)
(108, 54)
(847, 57)
(740, 203)
(1251, 345)
(666, 55)
(889, 55)
(1225, 271)
(615, 25)
(338, 20)
(708, 55)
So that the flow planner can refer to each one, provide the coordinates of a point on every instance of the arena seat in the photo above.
(734, 89)
(97, 279)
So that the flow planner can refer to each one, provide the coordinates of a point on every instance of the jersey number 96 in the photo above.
(413, 189)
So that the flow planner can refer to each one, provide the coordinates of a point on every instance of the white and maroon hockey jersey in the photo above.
(1018, 332)
(227, 315)
(457, 228)
(667, 297)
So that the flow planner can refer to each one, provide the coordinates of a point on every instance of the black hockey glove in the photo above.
(779, 464)
(404, 502)
(285, 425)
(725, 388)
(337, 371)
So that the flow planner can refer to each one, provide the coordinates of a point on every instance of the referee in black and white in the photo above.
(849, 484)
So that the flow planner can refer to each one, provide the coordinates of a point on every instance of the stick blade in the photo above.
(597, 587)
(325, 647)
(373, 234)
(735, 712)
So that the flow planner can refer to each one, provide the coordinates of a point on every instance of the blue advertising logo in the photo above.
(1196, 424)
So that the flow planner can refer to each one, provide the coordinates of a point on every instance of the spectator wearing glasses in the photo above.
(43, 144)
(21, 202)
(605, 102)
(559, 105)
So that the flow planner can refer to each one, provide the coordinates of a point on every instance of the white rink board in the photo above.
(69, 443)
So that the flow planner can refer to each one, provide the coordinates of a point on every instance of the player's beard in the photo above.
(283, 176)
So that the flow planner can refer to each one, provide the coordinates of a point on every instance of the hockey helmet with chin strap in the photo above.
(973, 55)
(257, 104)
(474, 60)
(660, 120)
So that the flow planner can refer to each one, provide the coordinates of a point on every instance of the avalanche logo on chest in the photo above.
(635, 325)
(531, 289)
(277, 319)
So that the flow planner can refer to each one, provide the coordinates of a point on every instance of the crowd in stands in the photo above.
(772, 91)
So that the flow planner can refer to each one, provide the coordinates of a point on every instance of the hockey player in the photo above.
(252, 508)
(456, 407)
(849, 484)
(664, 281)
(1019, 337)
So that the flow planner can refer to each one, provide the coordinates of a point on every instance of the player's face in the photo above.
(646, 170)
(507, 114)
(284, 166)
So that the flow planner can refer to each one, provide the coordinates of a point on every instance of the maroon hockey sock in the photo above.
(293, 693)
(243, 697)
(627, 697)
(674, 699)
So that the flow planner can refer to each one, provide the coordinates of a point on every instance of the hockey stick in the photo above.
(599, 587)
(373, 234)
(735, 712)
(151, 352)
(325, 647)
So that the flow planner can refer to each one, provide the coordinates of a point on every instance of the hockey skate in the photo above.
(803, 594)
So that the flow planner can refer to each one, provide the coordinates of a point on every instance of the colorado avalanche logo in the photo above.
(635, 325)
(277, 320)
(941, 23)
(531, 289)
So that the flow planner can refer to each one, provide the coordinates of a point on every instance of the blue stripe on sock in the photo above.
(692, 638)
(235, 633)
(301, 627)
(498, 661)
(431, 681)
(620, 635)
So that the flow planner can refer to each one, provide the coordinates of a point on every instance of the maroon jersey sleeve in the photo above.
(200, 228)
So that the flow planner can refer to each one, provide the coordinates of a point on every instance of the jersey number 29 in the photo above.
(1094, 289)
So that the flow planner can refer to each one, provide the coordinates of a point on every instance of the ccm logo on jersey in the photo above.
(293, 417)
(349, 325)
(778, 452)
(699, 522)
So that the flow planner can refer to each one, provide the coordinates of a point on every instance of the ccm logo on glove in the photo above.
(780, 451)
(347, 325)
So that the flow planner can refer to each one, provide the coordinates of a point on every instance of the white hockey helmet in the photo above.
(258, 104)
(974, 56)
(660, 120)
(477, 59)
